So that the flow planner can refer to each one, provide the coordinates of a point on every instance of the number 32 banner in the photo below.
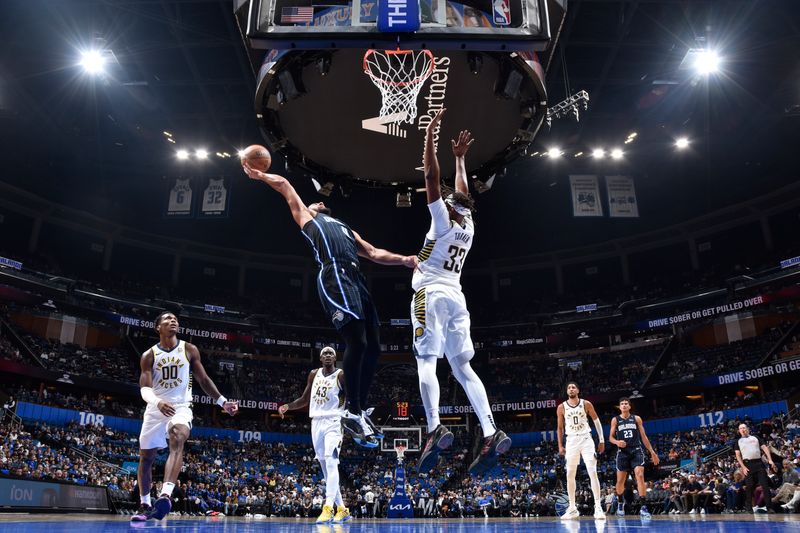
(215, 199)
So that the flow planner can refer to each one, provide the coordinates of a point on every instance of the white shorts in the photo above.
(580, 446)
(441, 322)
(326, 434)
(156, 426)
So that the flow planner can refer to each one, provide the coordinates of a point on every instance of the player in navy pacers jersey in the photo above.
(628, 435)
(344, 297)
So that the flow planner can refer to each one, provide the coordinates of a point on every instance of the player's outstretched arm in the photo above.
(199, 372)
(300, 212)
(304, 398)
(383, 257)
(560, 429)
(646, 441)
(460, 148)
(430, 162)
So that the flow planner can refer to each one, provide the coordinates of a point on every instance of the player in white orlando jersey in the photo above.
(324, 396)
(439, 313)
(166, 385)
(573, 419)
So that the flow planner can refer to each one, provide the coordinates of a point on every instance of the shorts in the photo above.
(156, 426)
(326, 435)
(441, 322)
(344, 296)
(628, 460)
(580, 446)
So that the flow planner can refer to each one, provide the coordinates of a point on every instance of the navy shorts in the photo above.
(344, 296)
(628, 460)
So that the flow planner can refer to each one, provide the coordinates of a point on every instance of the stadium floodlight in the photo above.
(183, 155)
(93, 61)
(240, 153)
(616, 153)
(201, 154)
(598, 153)
(707, 62)
(554, 152)
(682, 143)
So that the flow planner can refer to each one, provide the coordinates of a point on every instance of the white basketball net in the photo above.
(399, 75)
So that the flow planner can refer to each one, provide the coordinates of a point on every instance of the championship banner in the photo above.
(585, 196)
(621, 197)
(707, 312)
(180, 199)
(215, 199)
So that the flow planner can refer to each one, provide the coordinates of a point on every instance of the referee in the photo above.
(748, 455)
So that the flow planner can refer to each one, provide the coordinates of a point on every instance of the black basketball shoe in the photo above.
(437, 440)
(491, 448)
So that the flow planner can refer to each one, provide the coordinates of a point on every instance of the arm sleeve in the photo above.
(149, 396)
(599, 427)
(440, 221)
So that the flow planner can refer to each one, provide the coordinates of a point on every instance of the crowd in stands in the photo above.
(690, 362)
(281, 479)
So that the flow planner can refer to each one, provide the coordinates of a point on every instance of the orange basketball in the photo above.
(257, 157)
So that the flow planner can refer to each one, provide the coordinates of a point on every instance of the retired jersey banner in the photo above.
(621, 197)
(585, 196)
(180, 199)
(215, 199)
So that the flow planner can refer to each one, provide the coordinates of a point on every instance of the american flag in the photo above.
(297, 14)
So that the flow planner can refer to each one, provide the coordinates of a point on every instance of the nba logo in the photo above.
(502, 13)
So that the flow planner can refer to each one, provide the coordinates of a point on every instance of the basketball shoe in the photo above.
(491, 448)
(143, 513)
(342, 515)
(358, 429)
(437, 440)
(326, 516)
(162, 507)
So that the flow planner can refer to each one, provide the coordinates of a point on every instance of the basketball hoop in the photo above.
(399, 75)
(400, 447)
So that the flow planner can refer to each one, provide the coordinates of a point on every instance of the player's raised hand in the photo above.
(166, 408)
(252, 173)
(231, 407)
(436, 120)
(282, 410)
(462, 144)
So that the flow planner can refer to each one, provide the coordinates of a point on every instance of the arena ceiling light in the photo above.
(616, 153)
(598, 153)
(554, 152)
(93, 61)
(201, 154)
(681, 143)
(183, 155)
(707, 62)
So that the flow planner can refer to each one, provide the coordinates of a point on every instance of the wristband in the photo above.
(221, 400)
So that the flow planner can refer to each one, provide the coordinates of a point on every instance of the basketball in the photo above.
(257, 157)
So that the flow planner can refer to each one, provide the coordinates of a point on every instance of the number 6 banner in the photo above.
(215, 199)
(180, 199)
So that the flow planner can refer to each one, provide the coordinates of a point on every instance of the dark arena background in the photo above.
(635, 174)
